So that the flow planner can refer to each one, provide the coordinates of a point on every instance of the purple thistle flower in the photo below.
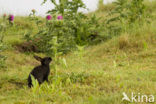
(60, 17)
(11, 18)
(48, 17)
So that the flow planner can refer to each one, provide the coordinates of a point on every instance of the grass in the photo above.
(99, 75)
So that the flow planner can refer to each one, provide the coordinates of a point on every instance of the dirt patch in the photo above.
(27, 47)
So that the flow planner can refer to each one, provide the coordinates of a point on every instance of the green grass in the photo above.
(99, 75)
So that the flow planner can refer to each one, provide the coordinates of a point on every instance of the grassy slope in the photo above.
(123, 64)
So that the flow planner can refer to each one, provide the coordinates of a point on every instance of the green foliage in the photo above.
(74, 29)
(128, 13)
(67, 7)
(2, 61)
(35, 85)
(100, 4)
(57, 85)
(124, 17)
(3, 27)
(80, 51)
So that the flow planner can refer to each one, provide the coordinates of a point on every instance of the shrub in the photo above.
(67, 26)
(128, 14)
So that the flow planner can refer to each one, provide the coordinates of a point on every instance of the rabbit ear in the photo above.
(38, 58)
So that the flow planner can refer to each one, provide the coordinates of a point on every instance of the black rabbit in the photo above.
(40, 72)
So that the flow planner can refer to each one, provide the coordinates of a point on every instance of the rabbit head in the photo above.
(44, 61)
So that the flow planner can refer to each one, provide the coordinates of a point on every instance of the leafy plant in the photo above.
(127, 14)
(3, 27)
(68, 25)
